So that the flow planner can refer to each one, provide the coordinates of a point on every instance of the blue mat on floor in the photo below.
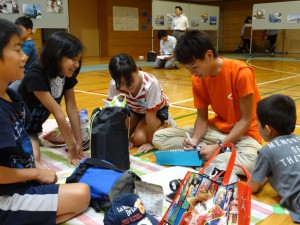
(241, 56)
(105, 66)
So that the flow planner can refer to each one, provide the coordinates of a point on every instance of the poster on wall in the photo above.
(259, 14)
(54, 6)
(213, 20)
(195, 22)
(160, 20)
(44, 13)
(32, 11)
(169, 18)
(8, 6)
(275, 17)
(293, 18)
(125, 18)
(204, 18)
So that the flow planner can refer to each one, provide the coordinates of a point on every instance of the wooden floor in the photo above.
(274, 75)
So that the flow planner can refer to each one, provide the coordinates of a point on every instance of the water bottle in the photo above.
(85, 129)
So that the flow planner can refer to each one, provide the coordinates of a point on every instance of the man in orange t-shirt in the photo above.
(229, 87)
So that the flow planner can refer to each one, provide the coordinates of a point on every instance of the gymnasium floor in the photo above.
(274, 75)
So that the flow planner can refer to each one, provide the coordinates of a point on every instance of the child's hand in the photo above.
(208, 150)
(73, 156)
(80, 151)
(46, 176)
(81, 154)
(130, 145)
(145, 147)
(189, 143)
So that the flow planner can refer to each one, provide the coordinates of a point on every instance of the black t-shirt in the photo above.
(37, 80)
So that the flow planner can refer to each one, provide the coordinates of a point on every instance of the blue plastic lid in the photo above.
(83, 115)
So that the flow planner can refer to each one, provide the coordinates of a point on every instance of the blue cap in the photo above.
(128, 209)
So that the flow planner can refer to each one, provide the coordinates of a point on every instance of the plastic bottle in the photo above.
(85, 129)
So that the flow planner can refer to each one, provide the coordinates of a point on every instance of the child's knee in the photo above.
(139, 138)
(83, 194)
(85, 190)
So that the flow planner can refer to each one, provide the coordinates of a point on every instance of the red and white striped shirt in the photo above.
(150, 96)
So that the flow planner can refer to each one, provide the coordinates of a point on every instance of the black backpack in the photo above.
(109, 136)
(151, 57)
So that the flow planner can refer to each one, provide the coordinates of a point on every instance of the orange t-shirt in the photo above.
(223, 91)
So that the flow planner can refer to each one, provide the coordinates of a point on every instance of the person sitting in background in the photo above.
(28, 46)
(145, 99)
(167, 45)
(278, 161)
(28, 195)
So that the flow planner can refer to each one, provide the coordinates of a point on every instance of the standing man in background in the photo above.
(180, 23)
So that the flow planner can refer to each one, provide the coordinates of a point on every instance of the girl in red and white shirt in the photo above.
(145, 99)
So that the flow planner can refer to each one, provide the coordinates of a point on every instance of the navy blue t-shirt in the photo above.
(15, 145)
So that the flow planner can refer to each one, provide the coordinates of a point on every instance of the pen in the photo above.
(189, 137)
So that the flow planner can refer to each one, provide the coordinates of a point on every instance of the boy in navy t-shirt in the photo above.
(28, 195)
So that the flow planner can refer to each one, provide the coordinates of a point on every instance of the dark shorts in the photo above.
(162, 114)
(34, 205)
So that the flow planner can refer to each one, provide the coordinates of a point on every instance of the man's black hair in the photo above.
(161, 33)
(178, 7)
(193, 45)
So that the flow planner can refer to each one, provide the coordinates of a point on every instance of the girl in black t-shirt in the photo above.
(49, 80)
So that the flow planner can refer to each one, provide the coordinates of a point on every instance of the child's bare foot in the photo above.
(145, 147)
(54, 136)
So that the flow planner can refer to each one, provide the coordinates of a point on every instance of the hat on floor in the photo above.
(128, 209)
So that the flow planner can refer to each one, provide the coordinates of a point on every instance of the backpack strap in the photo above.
(101, 163)
(87, 163)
